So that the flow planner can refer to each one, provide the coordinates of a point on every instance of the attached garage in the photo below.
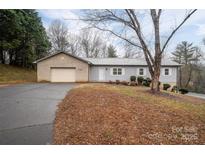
(62, 67)
(63, 75)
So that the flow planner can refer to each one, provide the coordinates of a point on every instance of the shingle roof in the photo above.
(127, 61)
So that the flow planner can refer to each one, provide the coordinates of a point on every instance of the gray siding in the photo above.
(129, 71)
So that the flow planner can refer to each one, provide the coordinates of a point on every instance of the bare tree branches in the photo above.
(175, 30)
(92, 44)
(58, 33)
(119, 36)
(137, 29)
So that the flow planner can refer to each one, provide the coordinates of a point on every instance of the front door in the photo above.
(101, 74)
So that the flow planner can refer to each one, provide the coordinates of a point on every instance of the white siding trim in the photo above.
(123, 71)
(111, 71)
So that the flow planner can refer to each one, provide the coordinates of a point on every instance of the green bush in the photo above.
(166, 86)
(183, 91)
(132, 78)
(149, 80)
(140, 80)
(146, 82)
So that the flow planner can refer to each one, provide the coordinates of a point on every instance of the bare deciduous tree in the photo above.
(92, 44)
(131, 51)
(74, 44)
(58, 34)
(129, 23)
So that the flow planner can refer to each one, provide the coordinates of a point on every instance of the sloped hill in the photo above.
(13, 74)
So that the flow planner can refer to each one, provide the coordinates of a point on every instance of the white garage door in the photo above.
(62, 74)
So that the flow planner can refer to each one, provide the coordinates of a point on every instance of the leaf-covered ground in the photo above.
(116, 114)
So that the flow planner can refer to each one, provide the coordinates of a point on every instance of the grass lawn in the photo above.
(11, 74)
(117, 114)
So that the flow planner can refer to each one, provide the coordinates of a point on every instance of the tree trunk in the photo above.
(155, 86)
(11, 57)
(189, 77)
(2, 60)
(158, 57)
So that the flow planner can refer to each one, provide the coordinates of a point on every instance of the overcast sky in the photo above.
(193, 30)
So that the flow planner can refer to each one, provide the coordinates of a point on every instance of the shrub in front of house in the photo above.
(166, 86)
(183, 91)
(117, 81)
(140, 80)
(174, 89)
(146, 82)
(124, 83)
(133, 78)
(149, 80)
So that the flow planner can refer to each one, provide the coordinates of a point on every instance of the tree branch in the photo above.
(159, 12)
(137, 29)
(119, 36)
(120, 19)
(175, 30)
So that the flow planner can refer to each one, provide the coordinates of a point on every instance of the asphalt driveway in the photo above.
(202, 96)
(27, 112)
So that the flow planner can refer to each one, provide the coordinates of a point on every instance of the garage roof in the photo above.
(56, 53)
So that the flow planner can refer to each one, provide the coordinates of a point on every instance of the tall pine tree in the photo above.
(23, 37)
(187, 55)
(111, 51)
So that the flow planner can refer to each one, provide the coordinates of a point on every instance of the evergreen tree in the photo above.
(111, 51)
(23, 38)
(189, 56)
(184, 53)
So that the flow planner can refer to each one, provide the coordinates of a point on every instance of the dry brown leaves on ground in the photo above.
(104, 114)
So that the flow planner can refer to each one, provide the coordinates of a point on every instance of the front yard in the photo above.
(116, 114)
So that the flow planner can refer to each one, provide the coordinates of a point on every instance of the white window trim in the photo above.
(170, 71)
(123, 71)
(144, 71)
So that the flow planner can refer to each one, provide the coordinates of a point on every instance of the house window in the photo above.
(141, 71)
(117, 71)
(166, 71)
(114, 71)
